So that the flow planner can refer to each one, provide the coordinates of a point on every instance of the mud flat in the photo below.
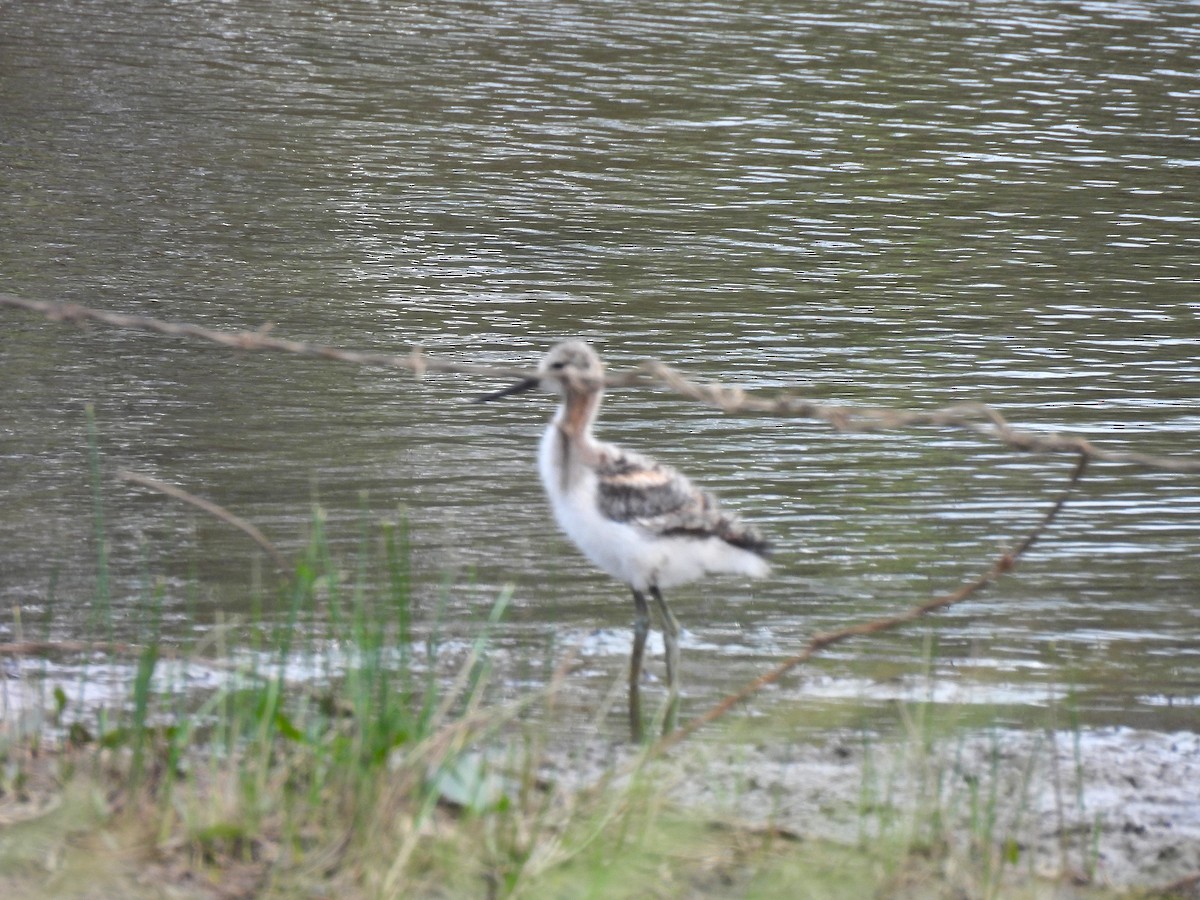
(1116, 807)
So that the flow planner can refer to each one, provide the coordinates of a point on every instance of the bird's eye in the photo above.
(558, 365)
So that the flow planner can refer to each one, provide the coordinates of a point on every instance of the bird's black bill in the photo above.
(519, 388)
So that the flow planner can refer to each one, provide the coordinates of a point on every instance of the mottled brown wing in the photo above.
(661, 500)
(634, 488)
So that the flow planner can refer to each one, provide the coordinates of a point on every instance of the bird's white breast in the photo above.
(571, 489)
(624, 550)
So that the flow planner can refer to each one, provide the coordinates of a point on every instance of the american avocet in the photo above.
(641, 522)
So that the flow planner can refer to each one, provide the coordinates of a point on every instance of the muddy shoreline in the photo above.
(1112, 807)
(1107, 806)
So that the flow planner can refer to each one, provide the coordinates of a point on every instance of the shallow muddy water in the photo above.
(905, 204)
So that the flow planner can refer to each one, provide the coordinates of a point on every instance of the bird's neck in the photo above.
(575, 450)
(577, 414)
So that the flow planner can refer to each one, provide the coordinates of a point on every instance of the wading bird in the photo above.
(641, 522)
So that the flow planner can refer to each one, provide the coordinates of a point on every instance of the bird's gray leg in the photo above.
(641, 627)
(670, 627)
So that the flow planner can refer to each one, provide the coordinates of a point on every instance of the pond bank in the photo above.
(1109, 807)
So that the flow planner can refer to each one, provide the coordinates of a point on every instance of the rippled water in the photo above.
(888, 203)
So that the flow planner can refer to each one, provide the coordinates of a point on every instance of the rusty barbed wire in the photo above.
(978, 418)
(1003, 564)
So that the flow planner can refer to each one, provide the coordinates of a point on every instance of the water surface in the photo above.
(883, 203)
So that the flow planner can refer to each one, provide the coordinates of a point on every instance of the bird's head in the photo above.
(571, 367)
